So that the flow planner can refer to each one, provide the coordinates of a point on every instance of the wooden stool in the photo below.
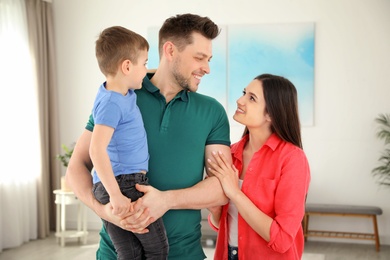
(342, 211)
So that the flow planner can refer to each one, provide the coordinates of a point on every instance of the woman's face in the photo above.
(251, 107)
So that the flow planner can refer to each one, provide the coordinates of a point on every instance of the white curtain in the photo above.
(20, 140)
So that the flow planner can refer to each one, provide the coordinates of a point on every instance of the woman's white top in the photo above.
(233, 221)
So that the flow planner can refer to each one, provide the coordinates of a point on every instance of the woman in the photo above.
(269, 179)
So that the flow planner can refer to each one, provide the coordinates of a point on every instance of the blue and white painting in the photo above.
(153, 56)
(241, 52)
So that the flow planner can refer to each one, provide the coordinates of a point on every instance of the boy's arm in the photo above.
(101, 137)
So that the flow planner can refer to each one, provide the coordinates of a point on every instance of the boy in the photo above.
(119, 149)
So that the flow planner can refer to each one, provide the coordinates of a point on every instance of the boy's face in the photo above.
(138, 70)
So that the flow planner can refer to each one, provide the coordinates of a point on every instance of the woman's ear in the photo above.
(268, 117)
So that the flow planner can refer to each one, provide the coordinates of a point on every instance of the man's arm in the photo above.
(207, 193)
(78, 177)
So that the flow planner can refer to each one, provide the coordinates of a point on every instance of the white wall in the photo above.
(352, 84)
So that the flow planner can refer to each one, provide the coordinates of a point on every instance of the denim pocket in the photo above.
(100, 193)
(131, 192)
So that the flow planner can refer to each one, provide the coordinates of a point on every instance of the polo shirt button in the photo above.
(234, 252)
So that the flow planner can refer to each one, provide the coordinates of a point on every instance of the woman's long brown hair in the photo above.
(282, 105)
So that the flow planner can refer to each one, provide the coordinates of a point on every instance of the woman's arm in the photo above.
(256, 219)
(214, 217)
(289, 199)
(228, 176)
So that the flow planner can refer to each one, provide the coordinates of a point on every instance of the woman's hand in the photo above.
(226, 173)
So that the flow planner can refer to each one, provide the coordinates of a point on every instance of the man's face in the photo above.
(191, 64)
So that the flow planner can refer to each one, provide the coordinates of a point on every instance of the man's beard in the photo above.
(181, 80)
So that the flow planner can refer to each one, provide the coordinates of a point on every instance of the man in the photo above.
(183, 129)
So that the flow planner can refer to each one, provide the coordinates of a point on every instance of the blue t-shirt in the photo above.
(128, 148)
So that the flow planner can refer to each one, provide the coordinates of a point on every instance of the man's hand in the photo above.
(147, 209)
(125, 222)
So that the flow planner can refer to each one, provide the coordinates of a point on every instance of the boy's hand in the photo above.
(120, 204)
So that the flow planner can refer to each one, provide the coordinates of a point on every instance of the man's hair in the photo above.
(281, 103)
(117, 44)
(179, 29)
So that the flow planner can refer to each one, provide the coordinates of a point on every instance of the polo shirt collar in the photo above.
(184, 95)
(148, 85)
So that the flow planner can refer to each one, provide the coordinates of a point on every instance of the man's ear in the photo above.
(168, 50)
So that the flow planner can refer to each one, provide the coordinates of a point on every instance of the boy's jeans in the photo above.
(128, 245)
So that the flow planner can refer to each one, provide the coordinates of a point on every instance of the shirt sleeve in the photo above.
(90, 124)
(290, 201)
(220, 133)
(107, 113)
(211, 223)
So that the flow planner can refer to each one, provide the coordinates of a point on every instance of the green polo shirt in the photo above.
(177, 135)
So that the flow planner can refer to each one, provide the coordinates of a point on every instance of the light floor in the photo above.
(49, 249)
